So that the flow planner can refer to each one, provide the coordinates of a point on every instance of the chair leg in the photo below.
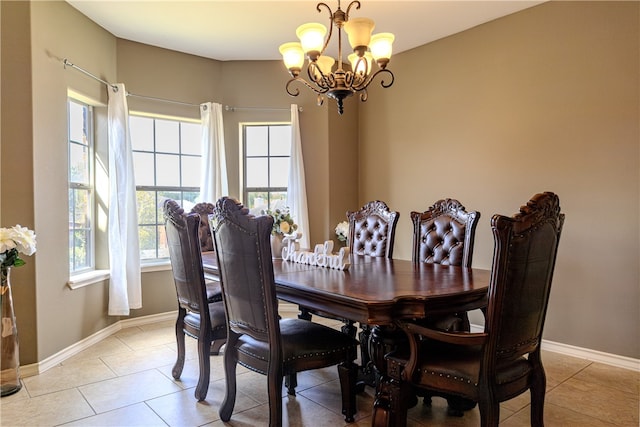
(216, 345)
(274, 390)
(290, 383)
(489, 409)
(179, 365)
(304, 314)
(537, 390)
(204, 348)
(230, 360)
(348, 373)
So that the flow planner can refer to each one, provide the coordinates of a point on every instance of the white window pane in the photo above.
(168, 170)
(280, 140)
(146, 202)
(257, 201)
(147, 239)
(190, 171)
(279, 172)
(257, 173)
(143, 168)
(77, 129)
(256, 140)
(81, 209)
(141, 131)
(191, 135)
(167, 134)
(79, 163)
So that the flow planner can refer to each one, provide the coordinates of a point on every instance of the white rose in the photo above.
(25, 240)
(6, 240)
(284, 227)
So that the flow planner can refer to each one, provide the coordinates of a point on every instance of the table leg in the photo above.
(391, 396)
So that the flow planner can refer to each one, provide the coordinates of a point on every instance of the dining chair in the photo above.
(444, 234)
(372, 230)
(197, 316)
(204, 209)
(257, 338)
(503, 361)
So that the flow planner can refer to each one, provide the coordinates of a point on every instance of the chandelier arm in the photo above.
(326, 42)
(304, 82)
(364, 95)
(323, 82)
(349, 79)
(357, 5)
(368, 81)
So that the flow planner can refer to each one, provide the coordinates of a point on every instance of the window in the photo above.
(81, 191)
(166, 157)
(266, 148)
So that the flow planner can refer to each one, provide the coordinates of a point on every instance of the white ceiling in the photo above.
(253, 30)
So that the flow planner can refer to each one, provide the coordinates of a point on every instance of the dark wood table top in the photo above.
(376, 291)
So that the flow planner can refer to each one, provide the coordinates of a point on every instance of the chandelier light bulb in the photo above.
(292, 55)
(325, 63)
(361, 65)
(381, 46)
(311, 38)
(359, 31)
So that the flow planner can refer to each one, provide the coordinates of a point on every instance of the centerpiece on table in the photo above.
(342, 231)
(13, 242)
(283, 225)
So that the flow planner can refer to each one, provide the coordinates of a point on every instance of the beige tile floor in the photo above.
(125, 380)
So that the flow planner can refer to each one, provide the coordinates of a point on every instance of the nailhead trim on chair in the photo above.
(440, 374)
(302, 356)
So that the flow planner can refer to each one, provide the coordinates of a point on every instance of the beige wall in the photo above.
(545, 99)
(17, 183)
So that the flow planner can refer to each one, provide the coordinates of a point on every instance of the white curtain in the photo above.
(213, 184)
(125, 290)
(297, 189)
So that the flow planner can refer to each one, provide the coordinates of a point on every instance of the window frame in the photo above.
(148, 262)
(89, 187)
(245, 190)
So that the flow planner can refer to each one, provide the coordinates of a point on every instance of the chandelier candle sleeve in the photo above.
(326, 75)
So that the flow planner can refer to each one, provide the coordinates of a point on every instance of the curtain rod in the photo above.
(233, 109)
(162, 100)
(66, 63)
(82, 70)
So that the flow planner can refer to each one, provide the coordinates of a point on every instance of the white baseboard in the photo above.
(51, 361)
(64, 354)
(584, 353)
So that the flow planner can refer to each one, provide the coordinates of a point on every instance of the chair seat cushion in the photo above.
(456, 368)
(214, 293)
(305, 345)
(218, 321)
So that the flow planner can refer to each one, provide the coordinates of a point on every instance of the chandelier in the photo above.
(323, 78)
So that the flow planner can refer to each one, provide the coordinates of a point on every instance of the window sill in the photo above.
(78, 281)
(95, 276)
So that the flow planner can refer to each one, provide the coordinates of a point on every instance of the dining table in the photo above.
(375, 292)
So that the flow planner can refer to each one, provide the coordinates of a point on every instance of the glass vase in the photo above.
(10, 360)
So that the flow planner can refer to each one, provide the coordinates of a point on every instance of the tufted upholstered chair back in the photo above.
(444, 234)
(204, 209)
(372, 230)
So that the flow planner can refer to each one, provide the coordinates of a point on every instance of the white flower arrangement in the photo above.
(282, 221)
(14, 241)
(342, 231)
